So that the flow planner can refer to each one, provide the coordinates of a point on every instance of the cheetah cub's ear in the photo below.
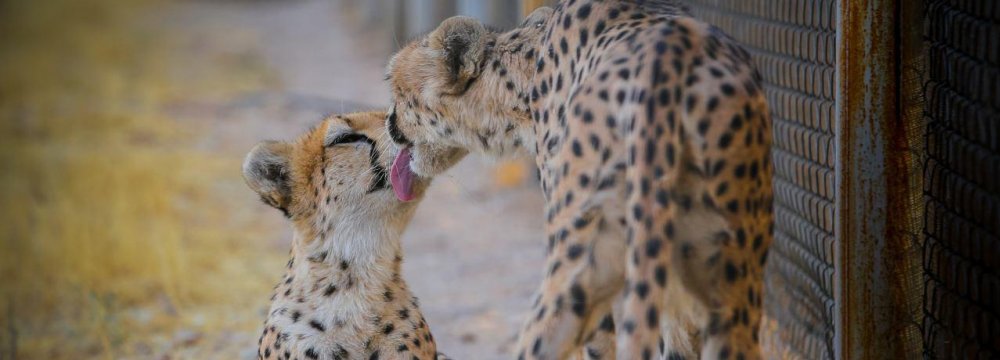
(266, 171)
(462, 43)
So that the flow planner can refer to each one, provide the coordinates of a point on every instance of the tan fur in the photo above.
(342, 296)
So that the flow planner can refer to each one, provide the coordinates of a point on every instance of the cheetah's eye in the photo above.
(348, 138)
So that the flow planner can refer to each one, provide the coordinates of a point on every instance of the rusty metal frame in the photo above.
(865, 89)
(875, 185)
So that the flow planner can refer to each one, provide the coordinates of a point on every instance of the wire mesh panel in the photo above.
(962, 180)
(793, 43)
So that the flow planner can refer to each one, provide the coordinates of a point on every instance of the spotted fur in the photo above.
(342, 296)
(652, 138)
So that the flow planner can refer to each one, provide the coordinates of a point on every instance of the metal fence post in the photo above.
(872, 321)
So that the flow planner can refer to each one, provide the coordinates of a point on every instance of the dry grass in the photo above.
(119, 239)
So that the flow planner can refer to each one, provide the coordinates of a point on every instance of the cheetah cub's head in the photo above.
(334, 174)
(462, 88)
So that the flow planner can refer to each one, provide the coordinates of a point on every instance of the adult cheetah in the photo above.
(342, 296)
(652, 137)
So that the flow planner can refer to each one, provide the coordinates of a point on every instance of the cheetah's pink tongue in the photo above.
(401, 176)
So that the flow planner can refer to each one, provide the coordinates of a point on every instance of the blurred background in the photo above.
(127, 231)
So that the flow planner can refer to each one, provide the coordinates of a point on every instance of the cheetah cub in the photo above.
(342, 296)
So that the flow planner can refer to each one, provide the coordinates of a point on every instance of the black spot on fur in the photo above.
(340, 353)
(574, 251)
(583, 12)
(608, 323)
(653, 247)
(317, 325)
(724, 353)
(731, 272)
(642, 289)
(727, 89)
(629, 326)
(653, 317)
(578, 300)
(725, 140)
(675, 356)
(660, 275)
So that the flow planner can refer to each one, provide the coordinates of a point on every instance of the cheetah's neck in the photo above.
(354, 259)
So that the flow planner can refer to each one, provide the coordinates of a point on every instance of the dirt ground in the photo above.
(473, 253)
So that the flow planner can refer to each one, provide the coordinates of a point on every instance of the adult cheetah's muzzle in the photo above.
(392, 123)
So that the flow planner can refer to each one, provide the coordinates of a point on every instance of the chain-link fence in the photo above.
(962, 180)
(956, 158)
(793, 43)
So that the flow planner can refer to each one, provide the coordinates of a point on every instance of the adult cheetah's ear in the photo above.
(266, 171)
(538, 17)
(462, 42)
